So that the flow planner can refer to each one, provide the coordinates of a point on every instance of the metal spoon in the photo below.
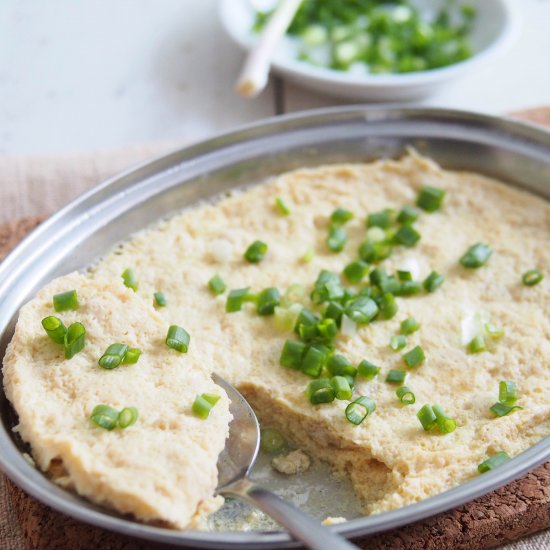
(235, 463)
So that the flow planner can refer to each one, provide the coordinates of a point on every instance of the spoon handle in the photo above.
(301, 526)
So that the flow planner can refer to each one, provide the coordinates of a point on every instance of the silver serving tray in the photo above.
(81, 232)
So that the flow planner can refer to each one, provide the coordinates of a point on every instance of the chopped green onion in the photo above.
(291, 354)
(336, 239)
(398, 342)
(356, 271)
(306, 324)
(390, 285)
(54, 328)
(342, 389)
(271, 441)
(105, 417)
(313, 361)
(334, 311)
(433, 281)
(255, 252)
(203, 404)
(405, 395)
(532, 277)
(414, 357)
(359, 409)
(367, 370)
(427, 417)
(375, 234)
(493, 331)
(127, 417)
(388, 305)
(362, 310)
(282, 208)
(65, 300)
(235, 299)
(178, 338)
(372, 252)
(408, 214)
(476, 256)
(404, 275)
(408, 288)
(493, 462)
(113, 356)
(338, 365)
(477, 344)
(407, 235)
(381, 219)
(500, 409)
(74, 340)
(159, 299)
(267, 300)
(320, 391)
(507, 392)
(445, 424)
(327, 329)
(409, 325)
(129, 279)
(216, 285)
(285, 317)
(377, 276)
(430, 198)
(327, 287)
(308, 256)
(132, 356)
(341, 216)
(396, 376)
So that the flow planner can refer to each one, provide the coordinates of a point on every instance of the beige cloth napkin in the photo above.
(33, 186)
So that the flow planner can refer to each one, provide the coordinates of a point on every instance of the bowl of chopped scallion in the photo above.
(375, 49)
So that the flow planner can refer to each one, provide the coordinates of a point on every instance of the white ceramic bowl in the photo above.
(496, 27)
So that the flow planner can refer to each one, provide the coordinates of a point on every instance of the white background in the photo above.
(95, 74)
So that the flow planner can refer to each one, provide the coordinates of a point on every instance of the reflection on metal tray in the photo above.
(91, 225)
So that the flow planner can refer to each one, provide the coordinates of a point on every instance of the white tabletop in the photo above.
(95, 74)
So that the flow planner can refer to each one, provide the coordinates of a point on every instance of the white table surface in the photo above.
(77, 75)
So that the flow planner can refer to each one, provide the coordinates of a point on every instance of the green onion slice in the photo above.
(54, 328)
(373, 252)
(129, 279)
(362, 310)
(507, 392)
(313, 361)
(532, 277)
(493, 462)
(408, 214)
(338, 365)
(381, 219)
(500, 409)
(105, 417)
(341, 386)
(359, 409)
(340, 216)
(235, 299)
(398, 342)
(132, 356)
(408, 288)
(476, 256)
(203, 404)
(396, 376)
(409, 325)
(477, 344)
(267, 300)
(217, 285)
(445, 424)
(404, 275)
(427, 417)
(178, 338)
(256, 252)
(356, 271)
(367, 370)
(430, 198)
(113, 356)
(493, 331)
(127, 417)
(159, 299)
(407, 235)
(327, 287)
(433, 281)
(388, 305)
(65, 301)
(74, 340)
(337, 238)
(405, 395)
(291, 354)
(271, 441)
(281, 207)
(415, 357)
(320, 391)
